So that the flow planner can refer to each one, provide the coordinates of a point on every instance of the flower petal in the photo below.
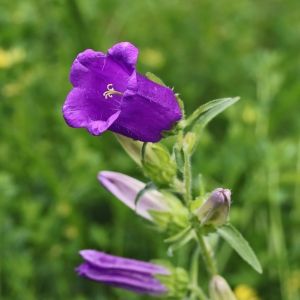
(106, 261)
(125, 54)
(147, 111)
(91, 74)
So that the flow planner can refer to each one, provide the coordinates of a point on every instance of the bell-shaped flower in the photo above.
(109, 94)
(129, 274)
(215, 209)
(126, 189)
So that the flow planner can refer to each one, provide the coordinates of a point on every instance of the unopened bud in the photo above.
(220, 290)
(159, 165)
(134, 149)
(215, 209)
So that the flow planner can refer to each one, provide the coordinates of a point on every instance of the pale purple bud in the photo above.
(126, 188)
(215, 209)
(220, 290)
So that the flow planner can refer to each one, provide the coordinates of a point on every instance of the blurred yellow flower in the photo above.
(249, 115)
(11, 57)
(293, 283)
(71, 232)
(63, 209)
(11, 89)
(152, 58)
(245, 292)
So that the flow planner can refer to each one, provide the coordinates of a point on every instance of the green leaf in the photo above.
(154, 78)
(208, 111)
(234, 238)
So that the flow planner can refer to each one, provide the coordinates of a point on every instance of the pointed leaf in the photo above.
(234, 238)
(210, 110)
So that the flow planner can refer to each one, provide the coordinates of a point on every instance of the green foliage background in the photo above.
(51, 204)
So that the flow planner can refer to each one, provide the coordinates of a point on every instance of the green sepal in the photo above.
(180, 243)
(204, 230)
(143, 151)
(178, 236)
(149, 186)
(235, 239)
(176, 283)
(194, 205)
(155, 79)
(181, 104)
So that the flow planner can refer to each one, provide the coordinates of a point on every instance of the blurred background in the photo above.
(51, 204)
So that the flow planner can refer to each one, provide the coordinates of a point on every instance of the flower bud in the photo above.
(220, 290)
(157, 162)
(134, 149)
(159, 165)
(215, 209)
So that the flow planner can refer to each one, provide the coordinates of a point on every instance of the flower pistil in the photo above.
(110, 91)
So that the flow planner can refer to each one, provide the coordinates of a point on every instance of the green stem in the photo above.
(207, 254)
(187, 177)
(196, 290)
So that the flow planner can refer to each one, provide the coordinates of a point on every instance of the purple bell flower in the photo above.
(109, 94)
(129, 274)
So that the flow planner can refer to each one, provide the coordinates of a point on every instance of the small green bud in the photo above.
(220, 290)
(159, 165)
(215, 209)
(189, 142)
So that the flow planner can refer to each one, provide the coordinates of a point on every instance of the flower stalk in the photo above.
(207, 254)
(187, 177)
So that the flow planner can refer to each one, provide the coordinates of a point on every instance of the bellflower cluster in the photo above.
(109, 94)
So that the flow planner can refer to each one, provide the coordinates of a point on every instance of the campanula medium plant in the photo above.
(109, 94)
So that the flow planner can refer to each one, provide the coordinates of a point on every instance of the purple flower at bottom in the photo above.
(109, 94)
(125, 273)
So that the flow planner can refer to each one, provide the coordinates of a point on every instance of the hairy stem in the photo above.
(207, 254)
(187, 177)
